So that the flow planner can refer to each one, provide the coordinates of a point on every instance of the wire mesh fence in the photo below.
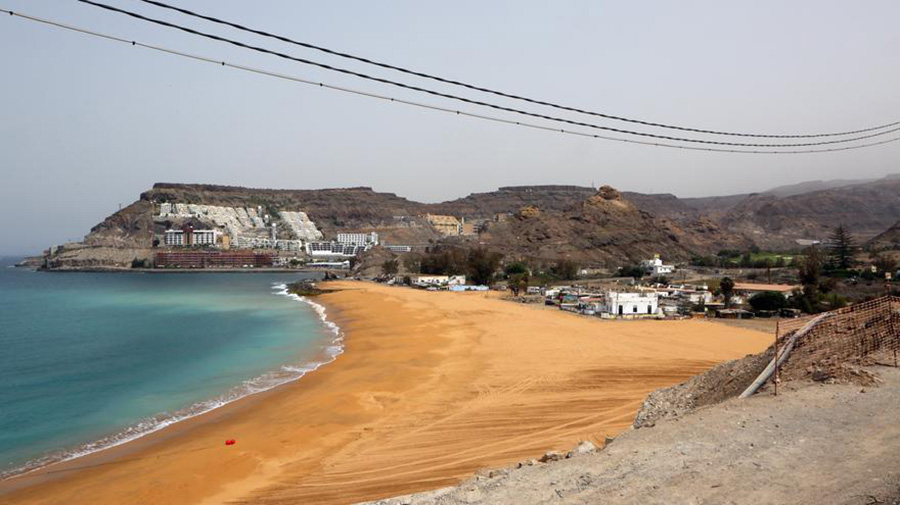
(864, 333)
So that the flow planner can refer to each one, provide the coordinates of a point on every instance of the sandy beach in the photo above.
(432, 387)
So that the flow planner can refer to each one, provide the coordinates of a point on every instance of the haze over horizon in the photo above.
(90, 124)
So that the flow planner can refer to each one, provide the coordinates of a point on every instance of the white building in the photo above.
(179, 238)
(342, 265)
(253, 242)
(333, 249)
(632, 304)
(429, 280)
(456, 280)
(204, 237)
(366, 239)
(656, 268)
(398, 248)
(173, 237)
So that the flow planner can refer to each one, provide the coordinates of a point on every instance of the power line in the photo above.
(418, 104)
(463, 99)
(492, 91)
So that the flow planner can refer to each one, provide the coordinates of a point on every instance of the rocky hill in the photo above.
(603, 229)
(512, 198)
(888, 239)
(775, 222)
(571, 221)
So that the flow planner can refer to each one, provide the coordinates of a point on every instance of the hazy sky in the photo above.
(87, 124)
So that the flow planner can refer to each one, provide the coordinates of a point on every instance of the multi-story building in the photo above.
(398, 248)
(333, 249)
(188, 236)
(173, 238)
(204, 237)
(214, 259)
(368, 239)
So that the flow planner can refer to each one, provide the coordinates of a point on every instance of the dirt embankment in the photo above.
(812, 444)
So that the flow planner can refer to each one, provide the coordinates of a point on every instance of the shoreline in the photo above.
(414, 403)
(113, 270)
(263, 383)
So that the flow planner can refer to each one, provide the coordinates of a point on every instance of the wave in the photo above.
(265, 382)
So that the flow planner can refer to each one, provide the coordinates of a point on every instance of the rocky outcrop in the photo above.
(529, 212)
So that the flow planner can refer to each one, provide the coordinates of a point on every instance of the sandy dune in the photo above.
(432, 387)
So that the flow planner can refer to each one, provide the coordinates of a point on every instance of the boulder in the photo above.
(609, 193)
(551, 456)
(529, 212)
(585, 447)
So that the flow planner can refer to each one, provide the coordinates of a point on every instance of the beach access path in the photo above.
(433, 386)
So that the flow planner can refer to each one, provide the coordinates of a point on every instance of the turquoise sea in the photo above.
(89, 360)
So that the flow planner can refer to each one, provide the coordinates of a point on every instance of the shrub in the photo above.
(768, 300)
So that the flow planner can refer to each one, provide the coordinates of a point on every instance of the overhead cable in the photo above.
(495, 119)
(496, 92)
(469, 100)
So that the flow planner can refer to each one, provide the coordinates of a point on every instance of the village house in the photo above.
(631, 305)
(423, 280)
(656, 268)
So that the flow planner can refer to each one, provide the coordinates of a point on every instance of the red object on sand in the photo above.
(230, 441)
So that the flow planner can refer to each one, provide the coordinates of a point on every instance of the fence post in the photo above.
(777, 326)
(893, 330)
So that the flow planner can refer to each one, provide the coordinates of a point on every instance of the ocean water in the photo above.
(89, 360)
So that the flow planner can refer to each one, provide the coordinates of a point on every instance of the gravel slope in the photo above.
(813, 444)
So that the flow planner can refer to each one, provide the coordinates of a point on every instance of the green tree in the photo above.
(635, 271)
(768, 300)
(515, 268)
(412, 262)
(441, 260)
(810, 269)
(518, 282)
(482, 264)
(390, 267)
(565, 269)
(726, 286)
(841, 247)
(885, 263)
(810, 274)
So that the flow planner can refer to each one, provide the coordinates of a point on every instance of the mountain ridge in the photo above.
(700, 226)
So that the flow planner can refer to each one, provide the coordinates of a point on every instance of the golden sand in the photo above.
(432, 387)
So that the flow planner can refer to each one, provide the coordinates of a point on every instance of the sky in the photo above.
(88, 124)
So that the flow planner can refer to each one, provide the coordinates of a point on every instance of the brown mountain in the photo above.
(605, 229)
(571, 220)
(888, 239)
(778, 222)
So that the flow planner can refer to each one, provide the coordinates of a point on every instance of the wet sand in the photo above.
(432, 387)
